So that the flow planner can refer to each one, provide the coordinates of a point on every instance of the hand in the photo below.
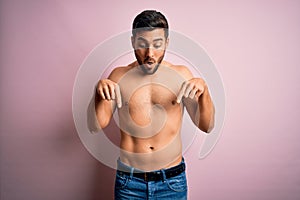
(109, 90)
(191, 88)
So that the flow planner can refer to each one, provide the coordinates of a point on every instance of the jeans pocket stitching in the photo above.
(123, 180)
(181, 188)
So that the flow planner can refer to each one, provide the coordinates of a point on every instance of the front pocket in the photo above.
(177, 183)
(121, 180)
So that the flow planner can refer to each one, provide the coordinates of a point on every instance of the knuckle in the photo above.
(102, 81)
(110, 86)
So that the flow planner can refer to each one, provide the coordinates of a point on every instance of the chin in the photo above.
(150, 71)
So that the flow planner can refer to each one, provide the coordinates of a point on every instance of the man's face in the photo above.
(149, 48)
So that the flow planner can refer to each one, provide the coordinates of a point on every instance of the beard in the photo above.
(144, 62)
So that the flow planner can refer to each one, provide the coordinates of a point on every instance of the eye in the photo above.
(142, 45)
(157, 46)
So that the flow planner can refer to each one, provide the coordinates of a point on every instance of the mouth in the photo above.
(149, 64)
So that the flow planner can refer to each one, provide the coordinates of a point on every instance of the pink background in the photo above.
(254, 44)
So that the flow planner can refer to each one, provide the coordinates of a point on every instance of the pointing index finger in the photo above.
(181, 92)
(118, 96)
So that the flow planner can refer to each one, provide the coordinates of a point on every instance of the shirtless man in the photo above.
(150, 95)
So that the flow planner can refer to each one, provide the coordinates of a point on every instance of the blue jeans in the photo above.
(129, 187)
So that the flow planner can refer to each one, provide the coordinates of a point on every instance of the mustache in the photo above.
(148, 59)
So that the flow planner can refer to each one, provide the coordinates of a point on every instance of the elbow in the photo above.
(102, 126)
(103, 123)
(210, 127)
(207, 127)
(210, 124)
(97, 126)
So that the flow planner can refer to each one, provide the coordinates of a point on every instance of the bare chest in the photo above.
(149, 103)
(147, 99)
(151, 94)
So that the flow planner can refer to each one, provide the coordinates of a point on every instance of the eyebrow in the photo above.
(155, 40)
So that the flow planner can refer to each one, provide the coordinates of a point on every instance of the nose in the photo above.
(150, 52)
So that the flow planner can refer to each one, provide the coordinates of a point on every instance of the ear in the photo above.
(167, 42)
(132, 42)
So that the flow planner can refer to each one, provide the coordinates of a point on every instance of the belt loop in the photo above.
(131, 173)
(163, 175)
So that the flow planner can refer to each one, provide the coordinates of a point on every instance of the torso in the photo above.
(150, 119)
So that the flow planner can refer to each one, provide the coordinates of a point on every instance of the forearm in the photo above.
(104, 109)
(206, 112)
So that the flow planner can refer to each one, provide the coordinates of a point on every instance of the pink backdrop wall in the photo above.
(254, 44)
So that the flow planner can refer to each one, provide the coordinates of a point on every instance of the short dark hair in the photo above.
(149, 20)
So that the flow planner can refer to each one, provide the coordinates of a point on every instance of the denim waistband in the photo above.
(126, 168)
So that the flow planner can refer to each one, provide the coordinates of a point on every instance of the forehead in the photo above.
(150, 35)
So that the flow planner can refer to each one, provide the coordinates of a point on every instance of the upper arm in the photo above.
(116, 74)
(105, 108)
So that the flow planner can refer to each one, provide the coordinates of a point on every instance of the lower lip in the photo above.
(149, 66)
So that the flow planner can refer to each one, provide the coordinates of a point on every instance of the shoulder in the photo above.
(183, 71)
(118, 72)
